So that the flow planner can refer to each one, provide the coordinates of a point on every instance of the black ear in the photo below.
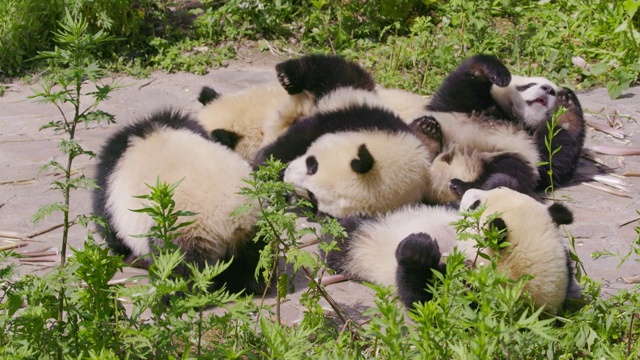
(499, 225)
(459, 187)
(312, 165)
(207, 95)
(560, 214)
(226, 138)
(364, 162)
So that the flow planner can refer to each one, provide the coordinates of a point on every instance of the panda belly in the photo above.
(211, 176)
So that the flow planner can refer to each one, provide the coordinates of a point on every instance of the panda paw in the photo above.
(287, 72)
(418, 251)
(429, 131)
(567, 99)
(287, 84)
(499, 75)
(459, 187)
(489, 68)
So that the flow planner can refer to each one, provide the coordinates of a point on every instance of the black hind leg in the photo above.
(237, 277)
(428, 130)
(468, 87)
(320, 74)
(417, 255)
(570, 138)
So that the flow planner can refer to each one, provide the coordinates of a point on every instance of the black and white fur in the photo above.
(403, 247)
(170, 146)
(351, 154)
(237, 120)
(482, 102)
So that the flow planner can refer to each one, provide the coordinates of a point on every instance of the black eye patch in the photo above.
(312, 165)
(475, 205)
(522, 88)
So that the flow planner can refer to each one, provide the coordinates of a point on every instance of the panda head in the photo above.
(361, 172)
(530, 100)
(535, 244)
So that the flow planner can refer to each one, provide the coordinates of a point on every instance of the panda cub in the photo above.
(352, 154)
(171, 147)
(255, 117)
(402, 247)
(237, 120)
(476, 120)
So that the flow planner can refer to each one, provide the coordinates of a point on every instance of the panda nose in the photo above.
(548, 89)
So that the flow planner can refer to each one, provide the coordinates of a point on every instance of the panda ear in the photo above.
(207, 95)
(499, 225)
(364, 162)
(560, 214)
(226, 138)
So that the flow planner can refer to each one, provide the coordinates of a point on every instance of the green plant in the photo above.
(72, 68)
(283, 236)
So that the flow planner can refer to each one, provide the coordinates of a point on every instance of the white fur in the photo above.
(532, 106)
(294, 108)
(409, 106)
(536, 245)
(468, 141)
(371, 255)
(344, 98)
(212, 178)
(244, 113)
(400, 174)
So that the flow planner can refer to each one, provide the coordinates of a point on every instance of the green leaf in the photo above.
(614, 89)
(621, 27)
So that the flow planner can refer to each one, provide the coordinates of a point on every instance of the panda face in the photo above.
(361, 173)
(535, 242)
(528, 99)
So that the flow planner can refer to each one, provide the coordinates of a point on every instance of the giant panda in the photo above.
(252, 118)
(172, 147)
(403, 247)
(481, 102)
(237, 120)
(351, 154)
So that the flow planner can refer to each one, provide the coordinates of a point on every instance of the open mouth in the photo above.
(542, 100)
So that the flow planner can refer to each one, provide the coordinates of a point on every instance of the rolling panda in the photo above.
(351, 154)
(255, 117)
(237, 120)
(477, 119)
(170, 146)
(401, 248)
(529, 102)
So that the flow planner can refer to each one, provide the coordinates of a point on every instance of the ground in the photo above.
(604, 221)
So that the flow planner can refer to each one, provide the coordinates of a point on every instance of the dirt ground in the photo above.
(604, 220)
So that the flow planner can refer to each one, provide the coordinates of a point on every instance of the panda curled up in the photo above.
(404, 247)
(170, 146)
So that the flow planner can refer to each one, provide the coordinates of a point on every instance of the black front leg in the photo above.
(417, 255)
(468, 87)
(570, 139)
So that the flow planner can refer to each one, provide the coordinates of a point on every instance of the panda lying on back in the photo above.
(255, 117)
(469, 115)
(352, 154)
(402, 247)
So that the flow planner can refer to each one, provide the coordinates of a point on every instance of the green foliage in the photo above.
(72, 68)
(474, 313)
(75, 311)
(406, 44)
(278, 226)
